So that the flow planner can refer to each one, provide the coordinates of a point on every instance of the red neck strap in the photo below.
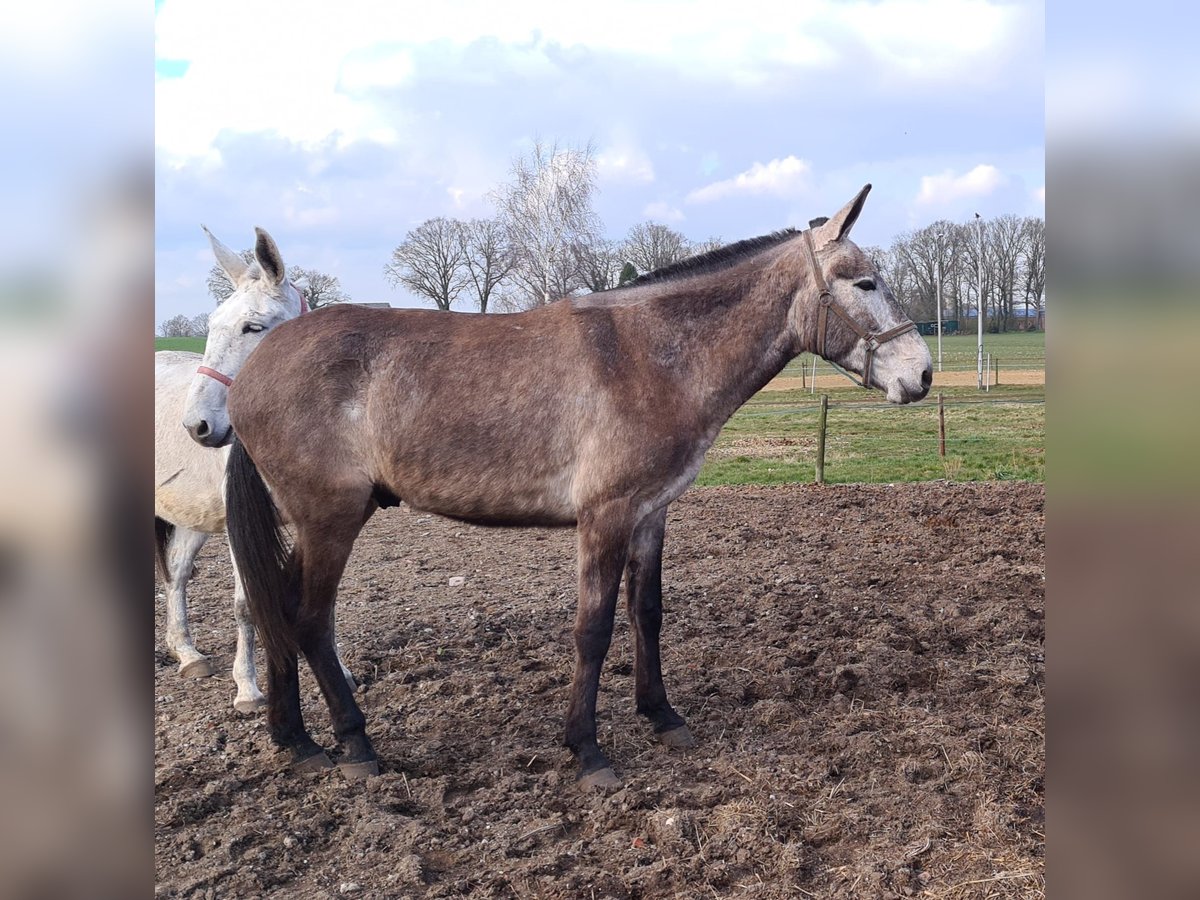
(213, 373)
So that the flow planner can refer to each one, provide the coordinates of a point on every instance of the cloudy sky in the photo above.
(338, 127)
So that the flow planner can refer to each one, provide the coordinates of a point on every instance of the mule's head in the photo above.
(863, 328)
(262, 298)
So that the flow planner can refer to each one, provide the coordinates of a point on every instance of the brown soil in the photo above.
(940, 379)
(862, 665)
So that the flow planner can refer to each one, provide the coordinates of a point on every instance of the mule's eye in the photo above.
(865, 284)
(251, 328)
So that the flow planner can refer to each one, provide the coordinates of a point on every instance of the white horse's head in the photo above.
(857, 322)
(262, 298)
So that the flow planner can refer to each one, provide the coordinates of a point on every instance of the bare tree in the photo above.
(706, 246)
(218, 282)
(431, 262)
(199, 325)
(547, 212)
(969, 249)
(600, 264)
(1007, 239)
(926, 254)
(1033, 264)
(487, 257)
(176, 326)
(650, 246)
(319, 288)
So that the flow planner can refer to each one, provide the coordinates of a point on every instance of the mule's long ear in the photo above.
(231, 264)
(843, 220)
(268, 256)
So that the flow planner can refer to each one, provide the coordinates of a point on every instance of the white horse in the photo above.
(189, 498)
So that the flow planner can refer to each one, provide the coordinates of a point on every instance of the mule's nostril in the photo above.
(927, 377)
(203, 429)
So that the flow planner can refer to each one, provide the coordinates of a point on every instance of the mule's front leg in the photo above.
(603, 546)
(643, 585)
(181, 559)
(248, 698)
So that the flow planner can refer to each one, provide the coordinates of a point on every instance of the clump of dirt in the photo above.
(862, 666)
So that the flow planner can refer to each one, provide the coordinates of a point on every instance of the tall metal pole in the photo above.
(939, 297)
(979, 305)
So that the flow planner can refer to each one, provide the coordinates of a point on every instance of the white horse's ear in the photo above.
(268, 256)
(843, 220)
(231, 264)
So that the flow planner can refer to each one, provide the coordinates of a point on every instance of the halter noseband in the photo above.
(225, 379)
(827, 303)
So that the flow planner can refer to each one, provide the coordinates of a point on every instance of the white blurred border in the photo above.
(76, 282)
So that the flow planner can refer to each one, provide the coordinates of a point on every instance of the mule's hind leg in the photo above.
(285, 722)
(346, 673)
(284, 719)
(248, 698)
(181, 557)
(603, 544)
(643, 586)
(324, 561)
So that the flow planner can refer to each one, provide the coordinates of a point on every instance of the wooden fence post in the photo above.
(821, 439)
(941, 426)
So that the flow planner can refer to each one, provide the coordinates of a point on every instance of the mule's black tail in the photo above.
(267, 566)
(162, 539)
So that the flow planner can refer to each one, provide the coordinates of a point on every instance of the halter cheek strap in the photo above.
(827, 303)
(225, 379)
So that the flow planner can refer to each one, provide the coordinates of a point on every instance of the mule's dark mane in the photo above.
(714, 260)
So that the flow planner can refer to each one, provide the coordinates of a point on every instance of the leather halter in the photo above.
(827, 304)
(225, 379)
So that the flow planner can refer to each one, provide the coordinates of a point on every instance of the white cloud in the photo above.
(662, 212)
(1040, 195)
(361, 72)
(949, 186)
(307, 70)
(624, 162)
(781, 177)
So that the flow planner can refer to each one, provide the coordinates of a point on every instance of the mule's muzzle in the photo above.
(203, 434)
(911, 393)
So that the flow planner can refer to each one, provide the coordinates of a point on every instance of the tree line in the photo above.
(1009, 253)
(543, 242)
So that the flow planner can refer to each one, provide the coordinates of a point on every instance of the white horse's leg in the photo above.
(248, 698)
(181, 555)
(337, 649)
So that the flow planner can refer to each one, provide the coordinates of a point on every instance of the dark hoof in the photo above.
(601, 780)
(314, 763)
(359, 771)
(197, 668)
(677, 738)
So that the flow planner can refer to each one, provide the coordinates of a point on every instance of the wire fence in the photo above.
(985, 438)
(815, 373)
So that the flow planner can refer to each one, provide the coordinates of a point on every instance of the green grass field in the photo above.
(195, 344)
(997, 435)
